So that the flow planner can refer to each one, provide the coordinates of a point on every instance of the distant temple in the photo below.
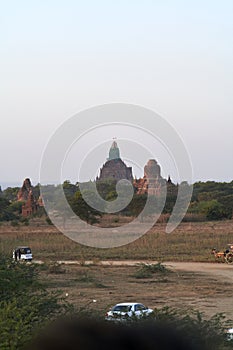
(151, 183)
(115, 169)
(26, 195)
(152, 180)
(24, 191)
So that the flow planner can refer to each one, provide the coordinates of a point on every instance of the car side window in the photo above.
(139, 307)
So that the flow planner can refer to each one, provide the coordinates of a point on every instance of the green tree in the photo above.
(213, 210)
(69, 189)
(10, 193)
(7, 211)
(216, 211)
(25, 304)
(83, 210)
(15, 207)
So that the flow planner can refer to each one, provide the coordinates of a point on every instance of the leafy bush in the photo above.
(48, 220)
(147, 270)
(25, 306)
(24, 221)
(204, 333)
(15, 223)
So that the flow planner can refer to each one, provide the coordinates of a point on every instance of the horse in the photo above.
(219, 256)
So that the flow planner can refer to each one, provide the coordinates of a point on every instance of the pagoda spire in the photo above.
(114, 152)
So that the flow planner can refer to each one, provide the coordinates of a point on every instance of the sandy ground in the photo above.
(207, 287)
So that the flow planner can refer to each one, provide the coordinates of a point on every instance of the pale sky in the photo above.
(61, 57)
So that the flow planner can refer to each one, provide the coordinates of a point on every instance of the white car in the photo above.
(125, 311)
(22, 253)
(230, 334)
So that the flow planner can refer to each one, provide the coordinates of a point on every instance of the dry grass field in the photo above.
(189, 242)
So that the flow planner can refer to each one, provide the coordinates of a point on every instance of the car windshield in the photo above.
(25, 251)
(122, 308)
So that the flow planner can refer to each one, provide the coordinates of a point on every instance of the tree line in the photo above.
(210, 201)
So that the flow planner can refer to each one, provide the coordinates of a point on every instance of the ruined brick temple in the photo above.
(152, 180)
(26, 195)
(115, 169)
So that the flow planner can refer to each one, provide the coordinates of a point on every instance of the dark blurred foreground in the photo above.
(86, 334)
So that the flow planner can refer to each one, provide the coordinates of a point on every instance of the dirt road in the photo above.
(207, 287)
(218, 269)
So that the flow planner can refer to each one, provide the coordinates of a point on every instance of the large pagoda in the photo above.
(115, 169)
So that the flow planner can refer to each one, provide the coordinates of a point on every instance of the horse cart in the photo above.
(225, 256)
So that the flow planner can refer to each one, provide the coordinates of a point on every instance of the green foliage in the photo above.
(213, 210)
(24, 221)
(15, 207)
(189, 325)
(25, 305)
(137, 204)
(83, 210)
(15, 223)
(111, 196)
(6, 212)
(217, 212)
(10, 193)
(204, 333)
(36, 190)
(169, 204)
(212, 186)
(9, 210)
(210, 200)
(107, 189)
(147, 270)
(69, 189)
(220, 192)
(48, 220)
(15, 278)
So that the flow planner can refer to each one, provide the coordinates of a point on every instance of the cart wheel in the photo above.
(229, 258)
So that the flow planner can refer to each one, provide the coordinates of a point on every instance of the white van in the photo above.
(22, 253)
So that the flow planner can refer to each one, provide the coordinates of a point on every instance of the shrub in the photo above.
(204, 333)
(147, 270)
(14, 223)
(24, 221)
(25, 304)
(48, 220)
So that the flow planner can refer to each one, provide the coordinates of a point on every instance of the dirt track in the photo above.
(217, 269)
(207, 287)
